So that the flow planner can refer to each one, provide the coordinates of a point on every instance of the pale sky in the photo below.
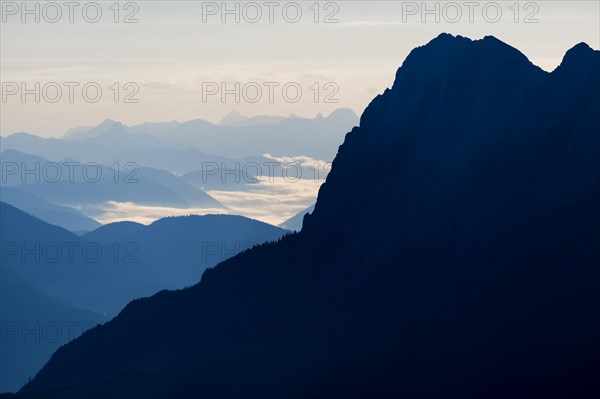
(172, 55)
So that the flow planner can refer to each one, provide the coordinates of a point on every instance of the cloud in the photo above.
(272, 200)
(301, 160)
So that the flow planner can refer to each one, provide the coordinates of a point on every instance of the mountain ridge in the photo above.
(392, 291)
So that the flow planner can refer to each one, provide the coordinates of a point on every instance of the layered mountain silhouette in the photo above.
(34, 322)
(63, 216)
(318, 138)
(34, 325)
(70, 182)
(453, 252)
(176, 161)
(52, 291)
(86, 132)
(96, 148)
(105, 269)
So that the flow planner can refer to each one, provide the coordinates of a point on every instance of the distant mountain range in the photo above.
(234, 118)
(453, 252)
(318, 138)
(86, 132)
(73, 183)
(122, 190)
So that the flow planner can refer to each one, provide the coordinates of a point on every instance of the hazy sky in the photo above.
(180, 50)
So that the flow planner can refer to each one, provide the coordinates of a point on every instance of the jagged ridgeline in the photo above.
(453, 252)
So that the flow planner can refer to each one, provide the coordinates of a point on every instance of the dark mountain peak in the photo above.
(580, 56)
(420, 122)
(445, 38)
(494, 41)
(449, 57)
(405, 240)
(580, 50)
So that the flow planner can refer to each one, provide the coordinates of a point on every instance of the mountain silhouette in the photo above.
(80, 184)
(291, 136)
(452, 253)
(46, 298)
(85, 132)
(97, 148)
(63, 216)
(33, 322)
(115, 231)
(317, 137)
(124, 260)
(34, 325)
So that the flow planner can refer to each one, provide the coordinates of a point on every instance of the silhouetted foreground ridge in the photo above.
(453, 252)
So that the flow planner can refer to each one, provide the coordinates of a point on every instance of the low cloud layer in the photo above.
(273, 200)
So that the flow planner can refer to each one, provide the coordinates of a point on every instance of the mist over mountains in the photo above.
(116, 172)
(452, 252)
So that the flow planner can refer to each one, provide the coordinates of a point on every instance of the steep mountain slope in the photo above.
(466, 269)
